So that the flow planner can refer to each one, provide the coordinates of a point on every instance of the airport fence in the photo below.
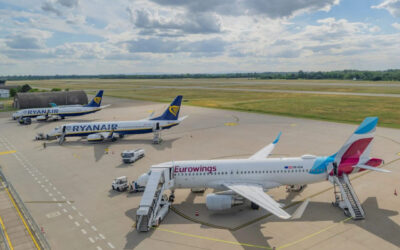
(39, 236)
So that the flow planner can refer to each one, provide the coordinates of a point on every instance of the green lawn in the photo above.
(349, 109)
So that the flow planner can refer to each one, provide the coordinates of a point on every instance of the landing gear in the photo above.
(172, 197)
(254, 206)
(294, 188)
(121, 136)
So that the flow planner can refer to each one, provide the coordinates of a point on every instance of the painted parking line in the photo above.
(6, 234)
(212, 239)
(8, 152)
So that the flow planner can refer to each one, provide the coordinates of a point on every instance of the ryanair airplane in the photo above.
(60, 112)
(102, 131)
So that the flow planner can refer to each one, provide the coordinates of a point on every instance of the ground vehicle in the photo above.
(130, 156)
(134, 187)
(120, 184)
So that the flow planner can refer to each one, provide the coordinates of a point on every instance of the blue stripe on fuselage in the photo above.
(122, 132)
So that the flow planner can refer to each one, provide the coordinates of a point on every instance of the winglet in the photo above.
(277, 138)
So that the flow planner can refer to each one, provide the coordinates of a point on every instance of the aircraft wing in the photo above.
(256, 194)
(183, 118)
(266, 151)
(105, 106)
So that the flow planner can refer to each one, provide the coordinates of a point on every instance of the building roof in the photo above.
(42, 99)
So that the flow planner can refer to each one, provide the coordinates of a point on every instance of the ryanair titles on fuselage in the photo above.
(41, 111)
(92, 127)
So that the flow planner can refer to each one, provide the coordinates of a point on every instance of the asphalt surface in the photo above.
(68, 188)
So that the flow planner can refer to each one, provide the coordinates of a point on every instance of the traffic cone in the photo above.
(197, 213)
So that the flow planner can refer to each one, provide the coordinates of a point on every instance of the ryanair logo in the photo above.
(174, 110)
(97, 99)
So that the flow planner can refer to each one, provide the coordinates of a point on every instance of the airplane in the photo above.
(236, 179)
(60, 112)
(104, 131)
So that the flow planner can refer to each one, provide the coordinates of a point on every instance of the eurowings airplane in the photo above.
(102, 131)
(60, 112)
(250, 178)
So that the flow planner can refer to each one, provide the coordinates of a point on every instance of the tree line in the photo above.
(386, 75)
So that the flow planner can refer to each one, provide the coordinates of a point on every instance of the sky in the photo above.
(48, 37)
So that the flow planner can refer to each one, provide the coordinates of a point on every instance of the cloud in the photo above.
(175, 24)
(272, 8)
(69, 3)
(393, 6)
(50, 7)
(396, 25)
(31, 40)
(157, 45)
(57, 7)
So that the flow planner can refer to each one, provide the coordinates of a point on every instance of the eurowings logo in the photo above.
(174, 110)
(97, 99)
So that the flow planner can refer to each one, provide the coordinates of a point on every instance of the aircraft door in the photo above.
(157, 126)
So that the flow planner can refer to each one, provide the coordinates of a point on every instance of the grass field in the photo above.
(6, 104)
(348, 109)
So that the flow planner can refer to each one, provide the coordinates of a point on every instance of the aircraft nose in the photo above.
(142, 180)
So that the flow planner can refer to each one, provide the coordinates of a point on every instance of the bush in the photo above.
(55, 89)
(13, 92)
(24, 88)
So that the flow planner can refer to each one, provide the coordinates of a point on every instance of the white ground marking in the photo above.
(25, 163)
(99, 248)
(53, 214)
(63, 197)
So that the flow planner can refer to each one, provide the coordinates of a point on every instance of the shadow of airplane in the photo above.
(378, 223)
(100, 148)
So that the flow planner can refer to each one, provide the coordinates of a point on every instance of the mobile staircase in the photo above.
(346, 198)
(155, 205)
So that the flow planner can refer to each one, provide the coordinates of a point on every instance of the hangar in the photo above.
(42, 99)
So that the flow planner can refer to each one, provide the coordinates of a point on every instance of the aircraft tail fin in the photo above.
(96, 101)
(172, 112)
(357, 148)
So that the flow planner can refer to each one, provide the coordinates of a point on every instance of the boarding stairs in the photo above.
(346, 197)
(157, 134)
(153, 199)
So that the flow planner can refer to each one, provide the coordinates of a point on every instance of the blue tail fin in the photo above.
(96, 102)
(172, 112)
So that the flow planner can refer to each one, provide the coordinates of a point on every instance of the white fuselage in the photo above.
(117, 127)
(269, 173)
(61, 111)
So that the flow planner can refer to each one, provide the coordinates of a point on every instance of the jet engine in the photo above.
(219, 202)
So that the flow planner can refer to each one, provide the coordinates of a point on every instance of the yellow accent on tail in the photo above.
(174, 110)
(97, 99)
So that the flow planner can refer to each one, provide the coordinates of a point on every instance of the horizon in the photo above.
(74, 37)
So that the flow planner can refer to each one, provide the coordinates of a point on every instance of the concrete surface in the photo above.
(68, 188)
